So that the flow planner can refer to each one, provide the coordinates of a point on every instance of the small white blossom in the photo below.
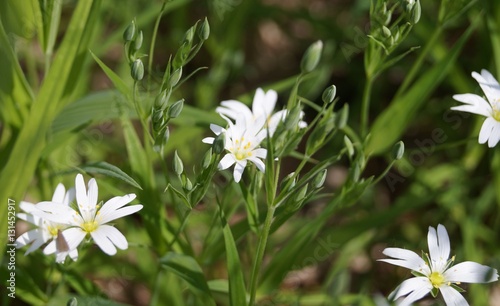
(437, 273)
(46, 230)
(490, 108)
(242, 144)
(261, 115)
(89, 218)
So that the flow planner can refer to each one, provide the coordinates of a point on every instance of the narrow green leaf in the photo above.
(392, 123)
(188, 269)
(110, 170)
(237, 292)
(115, 79)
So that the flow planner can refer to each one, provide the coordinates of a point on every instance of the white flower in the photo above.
(437, 273)
(261, 115)
(46, 230)
(242, 146)
(88, 218)
(490, 108)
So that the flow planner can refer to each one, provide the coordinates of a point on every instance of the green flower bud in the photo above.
(207, 159)
(138, 41)
(219, 143)
(72, 302)
(188, 185)
(175, 77)
(386, 31)
(302, 193)
(416, 12)
(349, 146)
(311, 57)
(175, 109)
(137, 70)
(204, 30)
(188, 36)
(329, 94)
(319, 179)
(178, 166)
(161, 100)
(292, 118)
(129, 33)
(398, 150)
(341, 118)
(158, 119)
(286, 180)
(166, 135)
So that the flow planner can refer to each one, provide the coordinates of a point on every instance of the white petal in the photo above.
(81, 191)
(92, 193)
(470, 272)
(59, 193)
(106, 237)
(73, 254)
(264, 103)
(74, 236)
(439, 247)
(113, 215)
(488, 84)
(35, 237)
(69, 197)
(116, 202)
(50, 248)
(209, 140)
(30, 218)
(260, 165)
(260, 152)
(486, 129)
(416, 287)
(27, 206)
(226, 162)
(216, 129)
(58, 213)
(239, 167)
(407, 259)
(235, 110)
(495, 135)
(474, 104)
(452, 297)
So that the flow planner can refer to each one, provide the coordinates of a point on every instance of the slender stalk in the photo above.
(264, 234)
(365, 106)
(153, 42)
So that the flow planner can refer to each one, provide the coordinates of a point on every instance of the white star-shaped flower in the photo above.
(46, 230)
(437, 273)
(89, 218)
(242, 144)
(261, 115)
(490, 108)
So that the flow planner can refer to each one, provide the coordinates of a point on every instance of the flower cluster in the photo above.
(66, 225)
(244, 136)
(436, 272)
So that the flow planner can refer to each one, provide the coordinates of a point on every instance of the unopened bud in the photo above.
(386, 31)
(138, 41)
(329, 94)
(129, 33)
(137, 70)
(349, 146)
(207, 158)
(416, 12)
(204, 30)
(311, 57)
(188, 36)
(398, 150)
(302, 193)
(292, 118)
(175, 77)
(341, 118)
(178, 166)
(161, 100)
(219, 143)
(175, 109)
(320, 178)
(286, 180)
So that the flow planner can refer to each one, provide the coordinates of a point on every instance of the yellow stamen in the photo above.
(90, 226)
(437, 279)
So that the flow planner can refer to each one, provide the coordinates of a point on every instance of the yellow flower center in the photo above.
(53, 230)
(90, 226)
(496, 109)
(437, 279)
(241, 149)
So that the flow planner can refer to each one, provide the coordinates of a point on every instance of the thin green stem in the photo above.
(153, 42)
(264, 235)
(365, 106)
